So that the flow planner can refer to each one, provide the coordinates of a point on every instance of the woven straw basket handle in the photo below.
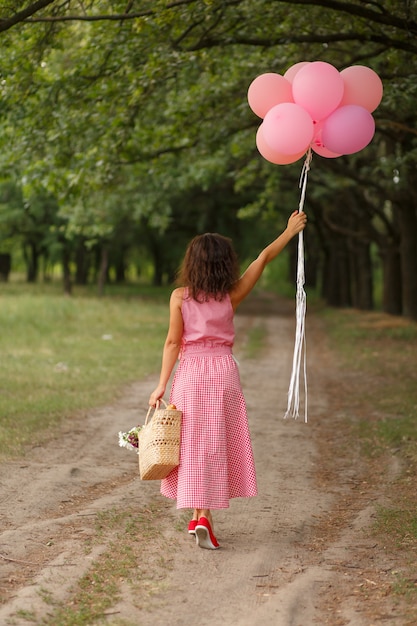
(155, 408)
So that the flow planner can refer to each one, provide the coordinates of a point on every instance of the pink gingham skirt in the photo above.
(216, 459)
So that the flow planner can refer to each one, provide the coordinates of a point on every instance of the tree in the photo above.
(144, 104)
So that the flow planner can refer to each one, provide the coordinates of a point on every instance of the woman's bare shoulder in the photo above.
(177, 294)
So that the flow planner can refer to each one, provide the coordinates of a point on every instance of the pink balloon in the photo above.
(347, 130)
(288, 128)
(324, 152)
(271, 155)
(294, 69)
(362, 87)
(266, 91)
(318, 88)
(317, 143)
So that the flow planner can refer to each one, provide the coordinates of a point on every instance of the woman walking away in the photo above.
(216, 459)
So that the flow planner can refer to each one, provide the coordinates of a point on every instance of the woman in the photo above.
(216, 459)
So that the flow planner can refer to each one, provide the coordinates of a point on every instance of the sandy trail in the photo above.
(281, 562)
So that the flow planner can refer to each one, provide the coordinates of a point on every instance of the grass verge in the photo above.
(382, 351)
(129, 536)
(255, 341)
(61, 355)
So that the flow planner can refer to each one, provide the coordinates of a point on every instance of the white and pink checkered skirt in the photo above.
(216, 459)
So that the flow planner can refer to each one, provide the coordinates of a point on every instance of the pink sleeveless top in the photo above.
(207, 324)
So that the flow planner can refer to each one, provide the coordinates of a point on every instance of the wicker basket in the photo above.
(159, 443)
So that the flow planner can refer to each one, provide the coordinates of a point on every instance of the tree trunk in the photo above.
(158, 269)
(391, 288)
(66, 258)
(81, 264)
(336, 277)
(104, 262)
(5, 266)
(120, 269)
(361, 273)
(31, 256)
(408, 250)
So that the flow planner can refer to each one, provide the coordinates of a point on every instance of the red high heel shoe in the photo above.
(204, 535)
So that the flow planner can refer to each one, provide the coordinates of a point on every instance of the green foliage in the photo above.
(141, 120)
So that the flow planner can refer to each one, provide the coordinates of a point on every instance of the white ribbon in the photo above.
(299, 357)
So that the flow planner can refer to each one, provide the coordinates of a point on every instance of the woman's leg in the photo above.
(193, 522)
(197, 514)
(205, 513)
(204, 530)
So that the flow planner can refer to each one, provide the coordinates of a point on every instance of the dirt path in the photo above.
(296, 555)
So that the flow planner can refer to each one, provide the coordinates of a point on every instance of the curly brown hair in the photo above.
(210, 267)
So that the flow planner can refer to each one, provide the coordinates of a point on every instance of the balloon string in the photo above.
(299, 357)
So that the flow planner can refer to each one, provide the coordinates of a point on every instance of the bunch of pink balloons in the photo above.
(313, 105)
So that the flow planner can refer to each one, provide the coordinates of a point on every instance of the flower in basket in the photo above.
(130, 440)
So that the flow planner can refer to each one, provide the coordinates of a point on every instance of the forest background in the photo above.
(125, 130)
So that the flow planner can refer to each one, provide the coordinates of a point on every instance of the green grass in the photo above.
(382, 350)
(128, 537)
(399, 523)
(60, 355)
(255, 341)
